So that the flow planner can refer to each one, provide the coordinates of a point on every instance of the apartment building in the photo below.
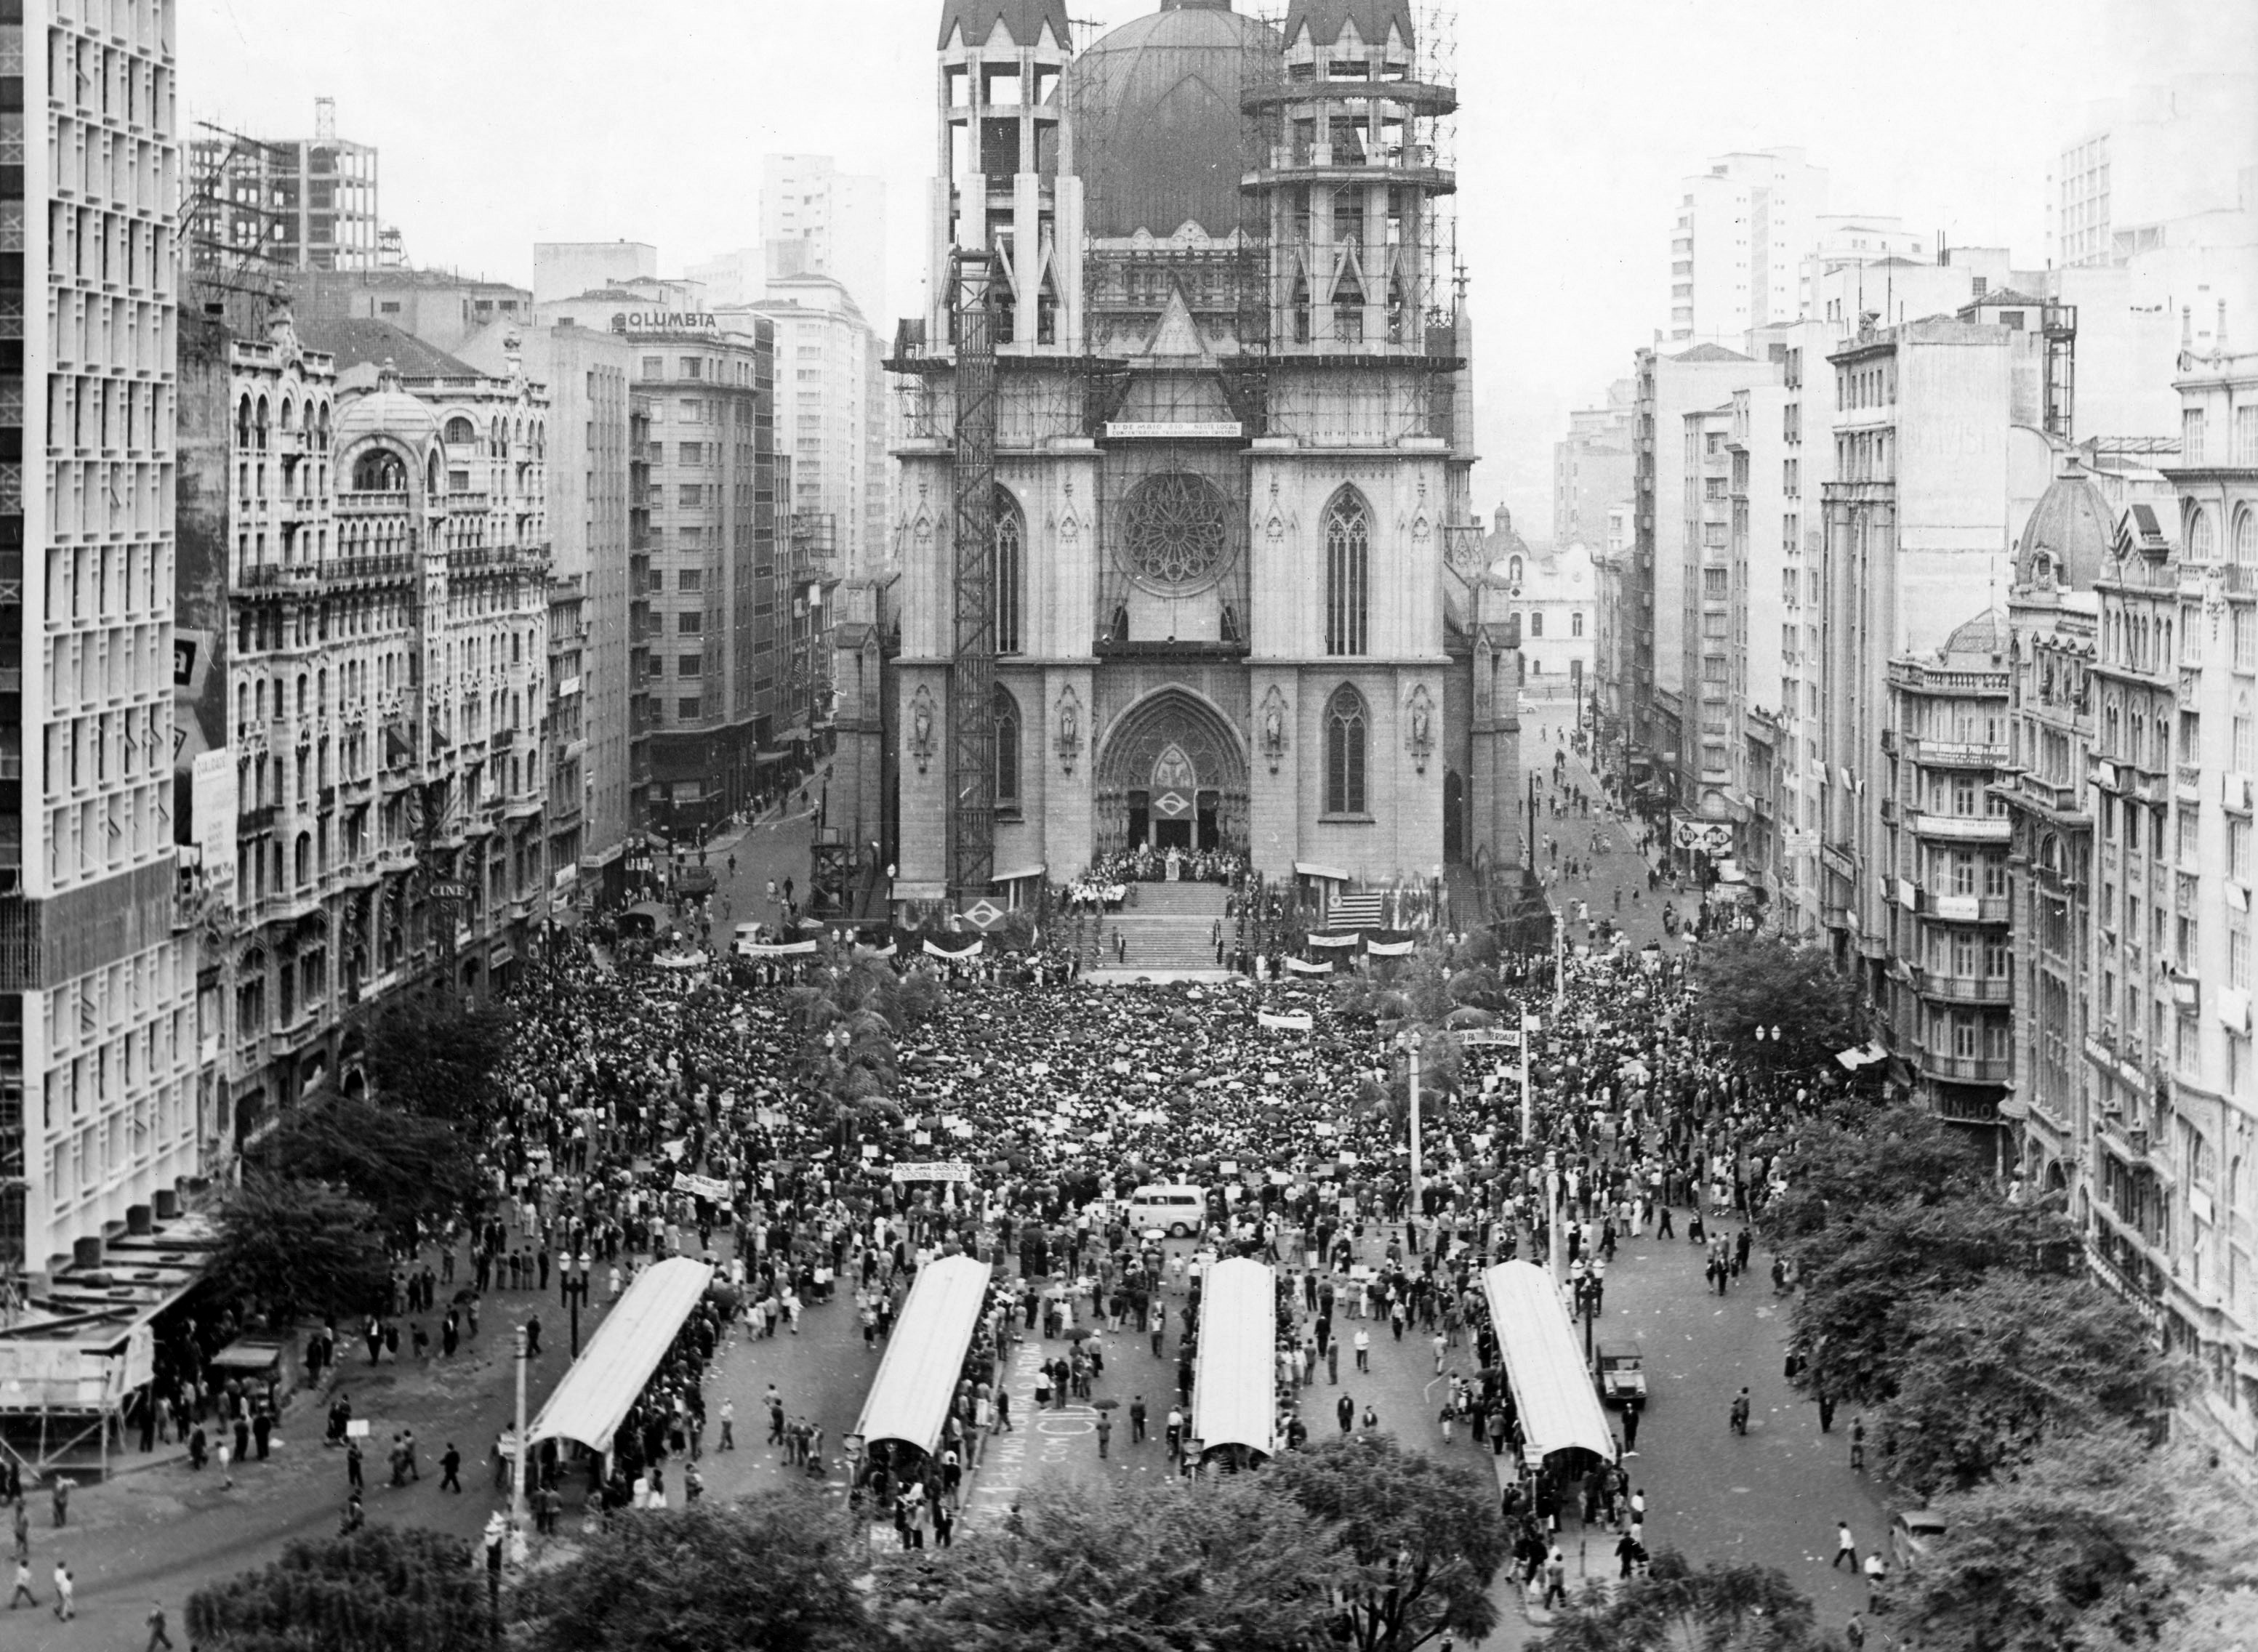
(1651, 615)
(2168, 1042)
(1937, 460)
(1946, 980)
(716, 580)
(98, 1118)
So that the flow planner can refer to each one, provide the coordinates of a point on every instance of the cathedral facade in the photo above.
(1237, 601)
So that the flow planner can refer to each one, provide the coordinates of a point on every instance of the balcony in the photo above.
(1945, 753)
(1961, 828)
(1964, 1069)
(1944, 989)
(2060, 802)
(258, 819)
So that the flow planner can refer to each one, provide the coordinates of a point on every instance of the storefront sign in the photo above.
(1187, 431)
(654, 321)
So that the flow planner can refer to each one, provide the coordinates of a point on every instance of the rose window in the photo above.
(1175, 529)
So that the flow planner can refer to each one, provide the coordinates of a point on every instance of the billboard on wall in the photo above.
(212, 812)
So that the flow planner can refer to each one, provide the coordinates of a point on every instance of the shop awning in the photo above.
(1235, 1383)
(925, 1355)
(594, 1397)
(1559, 1411)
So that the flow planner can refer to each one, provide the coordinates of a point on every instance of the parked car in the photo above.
(693, 880)
(1622, 1376)
(1913, 1533)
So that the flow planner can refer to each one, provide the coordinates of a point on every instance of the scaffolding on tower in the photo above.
(972, 280)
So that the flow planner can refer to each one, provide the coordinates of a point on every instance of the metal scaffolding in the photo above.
(972, 278)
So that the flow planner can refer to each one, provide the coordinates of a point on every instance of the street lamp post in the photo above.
(576, 1291)
(523, 1466)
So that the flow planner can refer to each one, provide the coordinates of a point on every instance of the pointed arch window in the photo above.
(1348, 575)
(1346, 730)
(1007, 752)
(1011, 574)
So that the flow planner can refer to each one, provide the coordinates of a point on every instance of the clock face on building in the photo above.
(1175, 529)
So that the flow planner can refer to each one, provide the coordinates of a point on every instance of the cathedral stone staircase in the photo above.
(1167, 933)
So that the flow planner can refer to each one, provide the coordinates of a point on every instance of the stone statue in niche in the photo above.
(1273, 728)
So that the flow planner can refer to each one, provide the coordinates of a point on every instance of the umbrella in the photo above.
(1079, 1332)
(1105, 1405)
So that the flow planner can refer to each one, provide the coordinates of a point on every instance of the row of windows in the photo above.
(1348, 578)
(1347, 730)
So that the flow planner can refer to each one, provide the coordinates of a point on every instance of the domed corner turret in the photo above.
(1023, 20)
(2067, 543)
(1327, 20)
(1978, 643)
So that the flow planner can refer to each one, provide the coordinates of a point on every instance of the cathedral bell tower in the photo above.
(1003, 181)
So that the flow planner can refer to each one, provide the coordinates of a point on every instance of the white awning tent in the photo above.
(925, 1355)
(1235, 1385)
(596, 1393)
(1560, 1410)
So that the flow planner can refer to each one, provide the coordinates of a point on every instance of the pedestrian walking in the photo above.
(226, 1463)
(1104, 1433)
(1877, 1574)
(1740, 1413)
(1363, 1350)
(1137, 1421)
(156, 1622)
(1845, 1547)
(61, 1497)
(1854, 1633)
(23, 1596)
(451, 1466)
(728, 1442)
(66, 1593)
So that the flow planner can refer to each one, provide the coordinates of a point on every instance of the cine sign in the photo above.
(663, 321)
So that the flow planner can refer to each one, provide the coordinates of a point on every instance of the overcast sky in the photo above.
(505, 122)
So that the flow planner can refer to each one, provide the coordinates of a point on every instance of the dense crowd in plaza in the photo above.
(1062, 1099)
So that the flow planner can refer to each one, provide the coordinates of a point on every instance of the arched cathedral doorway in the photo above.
(1173, 774)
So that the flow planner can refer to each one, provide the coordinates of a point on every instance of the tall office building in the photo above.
(2142, 169)
(718, 651)
(287, 203)
(816, 220)
(97, 1058)
(1592, 468)
(1737, 243)
(1938, 460)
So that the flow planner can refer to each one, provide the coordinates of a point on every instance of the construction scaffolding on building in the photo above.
(973, 277)
(232, 225)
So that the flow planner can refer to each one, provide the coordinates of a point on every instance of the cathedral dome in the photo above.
(1022, 19)
(1326, 18)
(2066, 543)
(1158, 136)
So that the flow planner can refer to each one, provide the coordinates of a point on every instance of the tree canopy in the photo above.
(438, 1060)
(1165, 1568)
(299, 1248)
(1422, 1538)
(1675, 1608)
(1744, 982)
(774, 1573)
(410, 1167)
(2097, 1542)
(383, 1589)
(2006, 1365)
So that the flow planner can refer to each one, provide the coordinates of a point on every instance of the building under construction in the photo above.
(1184, 455)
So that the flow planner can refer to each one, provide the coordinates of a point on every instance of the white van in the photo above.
(1178, 1211)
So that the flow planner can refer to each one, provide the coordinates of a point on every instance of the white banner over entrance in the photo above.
(1303, 967)
(1302, 1021)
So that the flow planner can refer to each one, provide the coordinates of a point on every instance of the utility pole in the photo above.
(523, 1467)
(1554, 1188)
(1528, 1104)
(1415, 1209)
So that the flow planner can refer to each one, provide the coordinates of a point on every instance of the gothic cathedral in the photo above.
(1196, 368)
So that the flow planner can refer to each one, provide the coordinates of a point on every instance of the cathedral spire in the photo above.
(1023, 20)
